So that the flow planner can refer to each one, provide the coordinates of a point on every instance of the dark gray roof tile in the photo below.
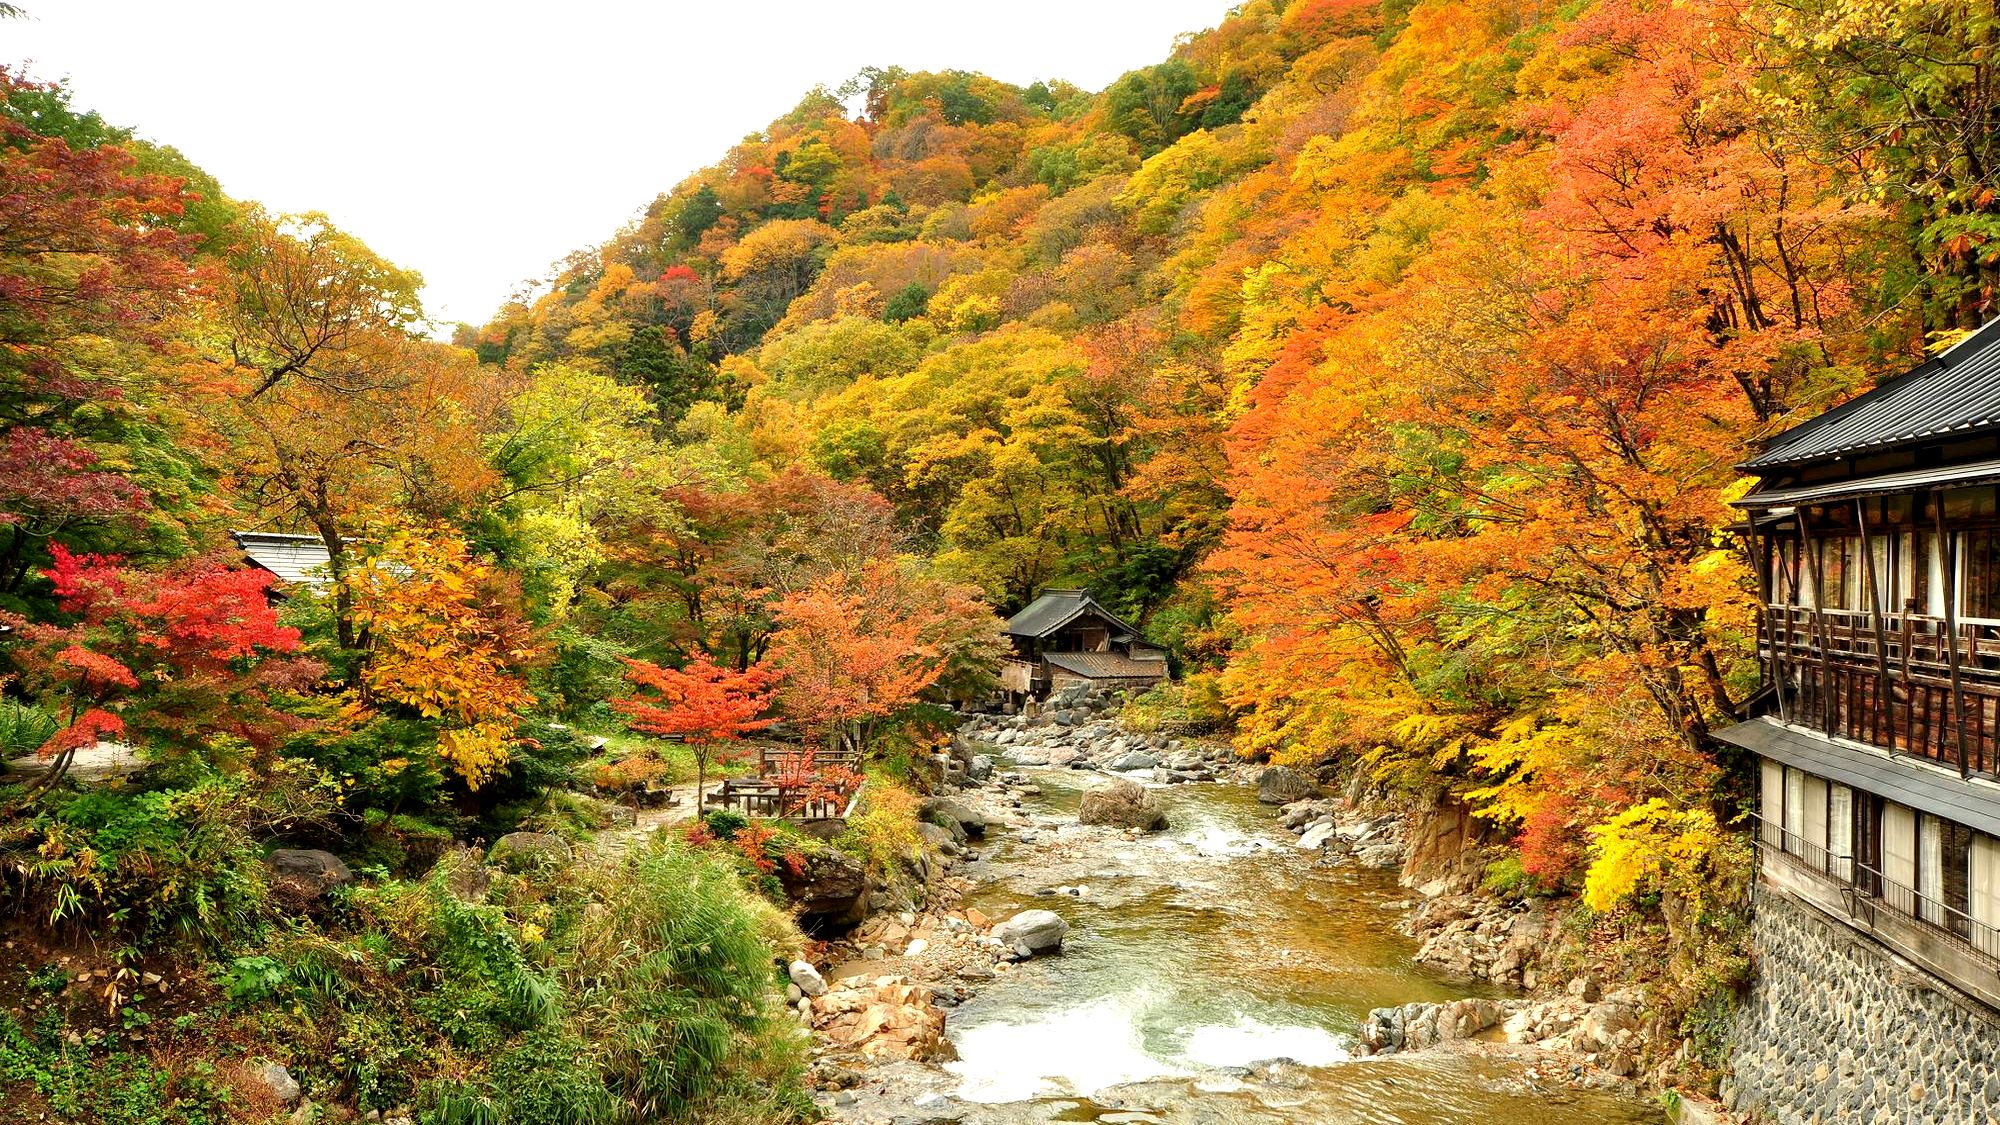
(1055, 609)
(1955, 392)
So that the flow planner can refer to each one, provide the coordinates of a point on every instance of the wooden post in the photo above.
(1884, 694)
(1766, 625)
(1820, 630)
(1949, 549)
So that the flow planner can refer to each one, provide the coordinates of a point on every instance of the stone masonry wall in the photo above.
(1836, 1030)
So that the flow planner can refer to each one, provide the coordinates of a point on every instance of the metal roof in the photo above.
(1973, 802)
(1055, 609)
(299, 560)
(1107, 665)
(1957, 391)
(1913, 480)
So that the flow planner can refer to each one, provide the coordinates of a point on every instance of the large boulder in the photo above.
(1037, 930)
(939, 839)
(518, 851)
(830, 889)
(1281, 785)
(1123, 804)
(465, 874)
(955, 818)
(307, 872)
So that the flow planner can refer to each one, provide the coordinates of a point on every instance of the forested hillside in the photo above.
(1387, 362)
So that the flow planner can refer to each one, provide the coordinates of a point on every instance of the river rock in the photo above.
(1601, 1026)
(830, 889)
(1298, 814)
(1281, 785)
(1413, 1027)
(981, 768)
(307, 872)
(519, 850)
(1380, 855)
(1133, 760)
(1123, 804)
(952, 814)
(1477, 936)
(1035, 930)
(1316, 836)
(806, 979)
(884, 1018)
(276, 1080)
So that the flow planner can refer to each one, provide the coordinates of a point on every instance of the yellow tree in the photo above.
(444, 641)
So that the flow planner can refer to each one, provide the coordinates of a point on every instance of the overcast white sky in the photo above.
(479, 142)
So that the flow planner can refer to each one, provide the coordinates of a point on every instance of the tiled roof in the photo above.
(296, 559)
(1107, 665)
(1955, 392)
(1055, 609)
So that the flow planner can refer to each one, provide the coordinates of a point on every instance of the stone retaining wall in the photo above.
(1837, 1030)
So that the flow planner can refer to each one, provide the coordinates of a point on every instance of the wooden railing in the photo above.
(772, 759)
(758, 797)
(1908, 683)
(767, 794)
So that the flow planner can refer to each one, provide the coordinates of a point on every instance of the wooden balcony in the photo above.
(1912, 685)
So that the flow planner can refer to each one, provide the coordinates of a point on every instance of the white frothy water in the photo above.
(1082, 1050)
(1250, 1041)
(1074, 1051)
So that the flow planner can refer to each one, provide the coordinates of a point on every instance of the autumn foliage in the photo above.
(703, 705)
(444, 643)
(172, 659)
(1387, 363)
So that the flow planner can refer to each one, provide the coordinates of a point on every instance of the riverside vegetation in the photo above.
(1386, 361)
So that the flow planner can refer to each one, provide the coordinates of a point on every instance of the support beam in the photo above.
(1885, 692)
(1948, 547)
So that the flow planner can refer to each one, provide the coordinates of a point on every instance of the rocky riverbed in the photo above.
(1210, 970)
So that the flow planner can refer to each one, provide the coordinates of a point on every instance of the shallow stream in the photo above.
(1197, 956)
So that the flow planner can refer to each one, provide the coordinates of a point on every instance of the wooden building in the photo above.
(1067, 637)
(1875, 533)
(296, 560)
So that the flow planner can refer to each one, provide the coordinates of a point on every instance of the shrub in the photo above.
(118, 1089)
(1196, 702)
(24, 728)
(882, 832)
(182, 861)
(559, 812)
(383, 763)
(1507, 878)
(724, 824)
(582, 994)
(673, 981)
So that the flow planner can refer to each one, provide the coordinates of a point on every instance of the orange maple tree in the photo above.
(706, 706)
(852, 657)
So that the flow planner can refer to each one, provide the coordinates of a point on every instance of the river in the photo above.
(1199, 954)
